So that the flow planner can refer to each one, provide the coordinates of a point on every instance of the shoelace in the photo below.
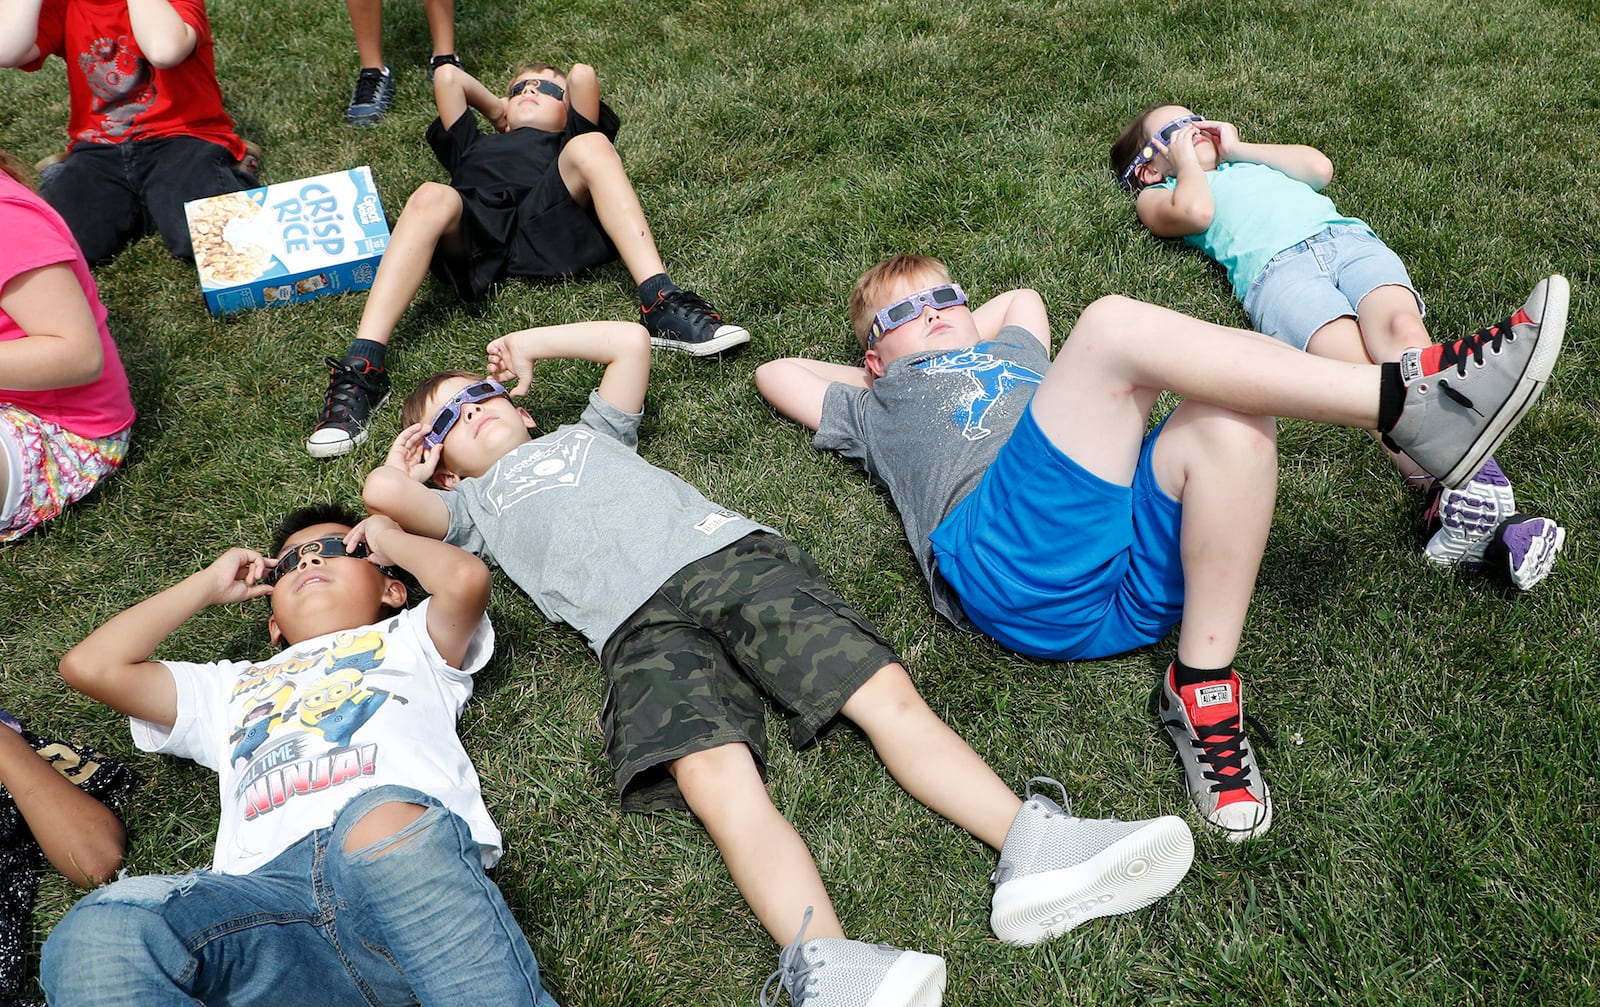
(1457, 354)
(1064, 804)
(687, 302)
(1216, 741)
(346, 384)
(368, 82)
(794, 971)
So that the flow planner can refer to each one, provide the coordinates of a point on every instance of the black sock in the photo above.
(1391, 397)
(1183, 675)
(654, 287)
(369, 350)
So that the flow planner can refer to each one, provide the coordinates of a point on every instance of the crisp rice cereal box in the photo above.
(289, 242)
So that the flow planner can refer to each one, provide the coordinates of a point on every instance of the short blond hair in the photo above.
(866, 295)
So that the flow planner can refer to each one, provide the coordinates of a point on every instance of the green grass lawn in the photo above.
(1431, 740)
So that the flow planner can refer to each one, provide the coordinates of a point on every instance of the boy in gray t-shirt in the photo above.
(696, 614)
(1044, 514)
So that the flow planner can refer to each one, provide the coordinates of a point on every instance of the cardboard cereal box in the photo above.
(288, 242)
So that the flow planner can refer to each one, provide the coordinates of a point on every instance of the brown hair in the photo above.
(1127, 146)
(534, 68)
(868, 291)
(16, 169)
(417, 401)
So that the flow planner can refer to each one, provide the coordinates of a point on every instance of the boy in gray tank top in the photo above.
(698, 615)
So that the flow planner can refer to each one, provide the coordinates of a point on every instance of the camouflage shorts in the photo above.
(687, 671)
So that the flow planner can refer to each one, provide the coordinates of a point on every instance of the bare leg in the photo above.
(768, 860)
(366, 21)
(431, 216)
(593, 173)
(1097, 395)
(441, 25)
(929, 759)
(1223, 466)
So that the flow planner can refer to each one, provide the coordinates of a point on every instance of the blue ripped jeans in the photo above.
(410, 919)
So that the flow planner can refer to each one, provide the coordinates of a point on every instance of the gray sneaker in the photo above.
(1463, 398)
(1057, 871)
(372, 97)
(834, 972)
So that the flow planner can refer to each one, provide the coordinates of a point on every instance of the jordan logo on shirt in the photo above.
(991, 378)
(553, 463)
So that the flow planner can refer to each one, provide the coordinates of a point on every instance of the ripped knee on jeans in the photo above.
(388, 824)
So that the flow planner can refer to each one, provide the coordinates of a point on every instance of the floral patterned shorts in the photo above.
(48, 468)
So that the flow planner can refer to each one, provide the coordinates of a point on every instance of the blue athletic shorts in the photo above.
(1324, 277)
(1055, 562)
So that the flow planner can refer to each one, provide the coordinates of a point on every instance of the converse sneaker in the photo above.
(1461, 522)
(373, 95)
(683, 320)
(356, 389)
(1057, 871)
(1462, 398)
(834, 972)
(1524, 549)
(1206, 725)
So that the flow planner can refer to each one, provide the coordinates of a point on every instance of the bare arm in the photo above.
(455, 90)
(457, 581)
(1186, 208)
(164, 37)
(80, 836)
(797, 386)
(1298, 161)
(1021, 307)
(624, 348)
(113, 664)
(397, 489)
(583, 90)
(62, 346)
(19, 27)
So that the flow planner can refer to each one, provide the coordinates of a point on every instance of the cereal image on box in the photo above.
(223, 249)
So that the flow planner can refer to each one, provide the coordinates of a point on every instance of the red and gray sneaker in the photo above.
(1206, 725)
(1523, 549)
(1462, 398)
(684, 321)
(1460, 523)
(356, 389)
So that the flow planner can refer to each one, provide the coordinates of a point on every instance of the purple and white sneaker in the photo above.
(1524, 549)
(1461, 522)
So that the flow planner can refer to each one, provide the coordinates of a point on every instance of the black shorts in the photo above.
(688, 670)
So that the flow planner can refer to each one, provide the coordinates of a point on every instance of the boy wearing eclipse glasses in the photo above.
(699, 615)
(1042, 514)
(353, 838)
(543, 195)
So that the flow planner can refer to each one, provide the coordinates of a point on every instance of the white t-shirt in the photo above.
(294, 738)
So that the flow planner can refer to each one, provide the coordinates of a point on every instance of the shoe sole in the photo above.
(334, 449)
(1552, 329)
(1130, 874)
(914, 980)
(1536, 566)
(717, 344)
(1254, 830)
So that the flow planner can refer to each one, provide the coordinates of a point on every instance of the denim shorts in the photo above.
(1055, 562)
(1322, 278)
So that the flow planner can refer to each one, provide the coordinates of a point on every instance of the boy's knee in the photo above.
(384, 829)
(1105, 318)
(713, 773)
(1243, 439)
(109, 936)
(432, 199)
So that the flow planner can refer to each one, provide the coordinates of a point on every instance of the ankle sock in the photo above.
(1183, 675)
(1391, 397)
(369, 350)
(654, 287)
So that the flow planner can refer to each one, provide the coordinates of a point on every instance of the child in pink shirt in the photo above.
(65, 411)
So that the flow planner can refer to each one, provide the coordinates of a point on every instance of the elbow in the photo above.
(582, 73)
(1199, 218)
(165, 57)
(100, 859)
(1321, 171)
(79, 671)
(470, 577)
(380, 493)
(769, 376)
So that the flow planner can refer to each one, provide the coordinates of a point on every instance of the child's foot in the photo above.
(833, 972)
(1462, 398)
(1057, 871)
(373, 95)
(1524, 549)
(1206, 725)
(683, 320)
(1461, 522)
(356, 389)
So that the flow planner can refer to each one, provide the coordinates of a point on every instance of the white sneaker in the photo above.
(834, 972)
